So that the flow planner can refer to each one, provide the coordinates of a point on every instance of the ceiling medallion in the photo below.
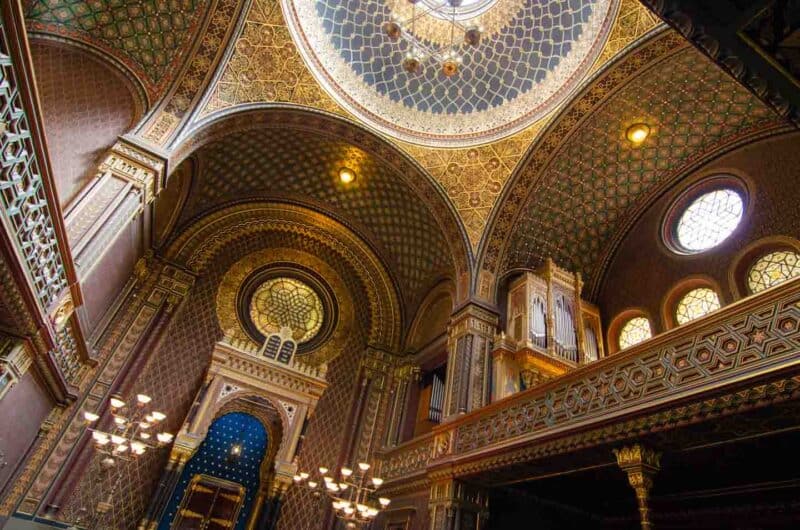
(500, 65)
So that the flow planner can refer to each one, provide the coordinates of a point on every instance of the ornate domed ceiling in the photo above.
(531, 55)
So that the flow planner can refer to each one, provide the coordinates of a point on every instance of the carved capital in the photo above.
(641, 464)
(143, 168)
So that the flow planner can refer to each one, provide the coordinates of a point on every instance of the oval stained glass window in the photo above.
(773, 268)
(709, 219)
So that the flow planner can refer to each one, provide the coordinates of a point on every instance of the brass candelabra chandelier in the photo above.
(352, 494)
(418, 51)
(132, 431)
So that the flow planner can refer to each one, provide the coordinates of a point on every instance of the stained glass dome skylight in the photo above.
(532, 55)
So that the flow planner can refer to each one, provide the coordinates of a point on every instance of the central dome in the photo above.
(531, 56)
(463, 10)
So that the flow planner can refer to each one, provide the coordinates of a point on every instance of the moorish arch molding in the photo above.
(197, 245)
(302, 119)
(582, 184)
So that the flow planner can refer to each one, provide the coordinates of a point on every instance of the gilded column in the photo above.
(468, 385)
(178, 458)
(641, 464)
(580, 329)
(375, 369)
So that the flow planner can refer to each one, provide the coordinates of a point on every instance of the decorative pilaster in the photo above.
(50, 475)
(271, 509)
(125, 183)
(641, 464)
(403, 377)
(376, 366)
(468, 384)
(455, 505)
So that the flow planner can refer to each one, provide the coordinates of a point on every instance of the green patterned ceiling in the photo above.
(145, 35)
(304, 166)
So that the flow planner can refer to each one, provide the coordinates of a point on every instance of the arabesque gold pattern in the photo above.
(583, 183)
(201, 242)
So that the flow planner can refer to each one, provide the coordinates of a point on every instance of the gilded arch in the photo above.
(307, 121)
(203, 240)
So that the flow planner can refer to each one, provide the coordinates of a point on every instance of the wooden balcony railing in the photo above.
(749, 340)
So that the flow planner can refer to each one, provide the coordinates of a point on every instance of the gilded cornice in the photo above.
(265, 67)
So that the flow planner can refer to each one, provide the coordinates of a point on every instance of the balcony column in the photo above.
(641, 464)
(455, 505)
(468, 385)
(126, 182)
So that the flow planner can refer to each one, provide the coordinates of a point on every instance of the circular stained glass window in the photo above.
(280, 303)
(773, 268)
(709, 219)
(634, 331)
(695, 304)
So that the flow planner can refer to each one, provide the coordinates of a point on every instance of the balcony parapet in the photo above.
(748, 342)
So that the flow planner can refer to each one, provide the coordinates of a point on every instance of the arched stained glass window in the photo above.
(709, 219)
(773, 268)
(634, 331)
(695, 304)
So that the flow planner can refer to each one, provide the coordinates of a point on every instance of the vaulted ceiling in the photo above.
(296, 156)
(149, 37)
(485, 167)
(583, 182)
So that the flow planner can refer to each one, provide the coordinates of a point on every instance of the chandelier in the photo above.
(131, 433)
(352, 494)
(449, 57)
